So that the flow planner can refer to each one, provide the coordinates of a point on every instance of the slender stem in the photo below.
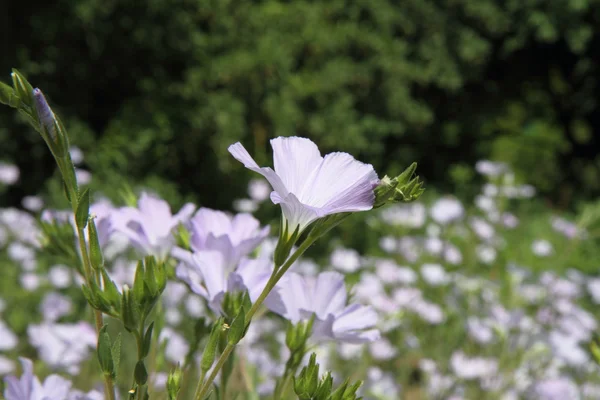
(275, 277)
(213, 374)
(281, 389)
(99, 321)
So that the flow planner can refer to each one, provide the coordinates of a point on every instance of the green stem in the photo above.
(275, 277)
(222, 359)
(109, 388)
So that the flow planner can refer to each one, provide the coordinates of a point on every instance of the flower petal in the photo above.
(241, 154)
(295, 159)
(342, 184)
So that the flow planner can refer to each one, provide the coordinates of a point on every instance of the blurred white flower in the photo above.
(434, 274)
(60, 276)
(54, 306)
(482, 229)
(32, 203)
(542, 248)
(446, 210)
(382, 349)
(486, 254)
(480, 330)
(491, 169)
(76, 155)
(259, 190)
(6, 365)
(472, 368)
(29, 387)
(560, 388)
(63, 345)
(411, 215)
(345, 260)
(245, 206)
(30, 281)
(9, 173)
(8, 339)
(83, 177)
(177, 347)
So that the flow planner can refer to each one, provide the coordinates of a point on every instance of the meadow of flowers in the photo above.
(447, 299)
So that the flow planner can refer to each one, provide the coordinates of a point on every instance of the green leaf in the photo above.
(110, 290)
(208, 356)
(238, 327)
(96, 258)
(8, 96)
(23, 88)
(140, 373)
(116, 353)
(147, 340)
(83, 209)
(104, 351)
(138, 283)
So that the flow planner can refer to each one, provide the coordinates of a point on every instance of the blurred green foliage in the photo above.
(155, 91)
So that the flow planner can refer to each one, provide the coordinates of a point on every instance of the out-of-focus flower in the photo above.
(76, 155)
(325, 296)
(491, 168)
(232, 236)
(177, 347)
(29, 387)
(55, 305)
(63, 345)
(32, 203)
(6, 365)
(345, 260)
(83, 177)
(208, 275)
(434, 274)
(259, 190)
(482, 229)
(446, 210)
(486, 254)
(149, 227)
(410, 215)
(567, 228)
(308, 186)
(472, 368)
(30, 281)
(542, 248)
(21, 225)
(60, 276)
(245, 205)
(9, 173)
(8, 339)
(560, 388)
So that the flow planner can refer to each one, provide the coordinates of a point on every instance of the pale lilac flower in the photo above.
(83, 177)
(245, 206)
(542, 248)
(76, 155)
(63, 345)
(492, 169)
(8, 339)
(30, 281)
(486, 254)
(565, 227)
(91, 395)
(60, 276)
(447, 210)
(259, 190)
(194, 307)
(389, 272)
(150, 226)
(429, 312)
(102, 212)
(345, 260)
(325, 296)
(6, 365)
(232, 236)
(54, 306)
(29, 387)
(593, 287)
(509, 220)
(9, 173)
(482, 229)
(308, 186)
(382, 349)
(480, 330)
(209, 275)
(381, 385)
(21, 225)
(177, 347)
(410, 215)
(472, 368)
(32, 203)
(434, 274)
(560, 388)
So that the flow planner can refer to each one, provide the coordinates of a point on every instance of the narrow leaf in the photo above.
(83, 209)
